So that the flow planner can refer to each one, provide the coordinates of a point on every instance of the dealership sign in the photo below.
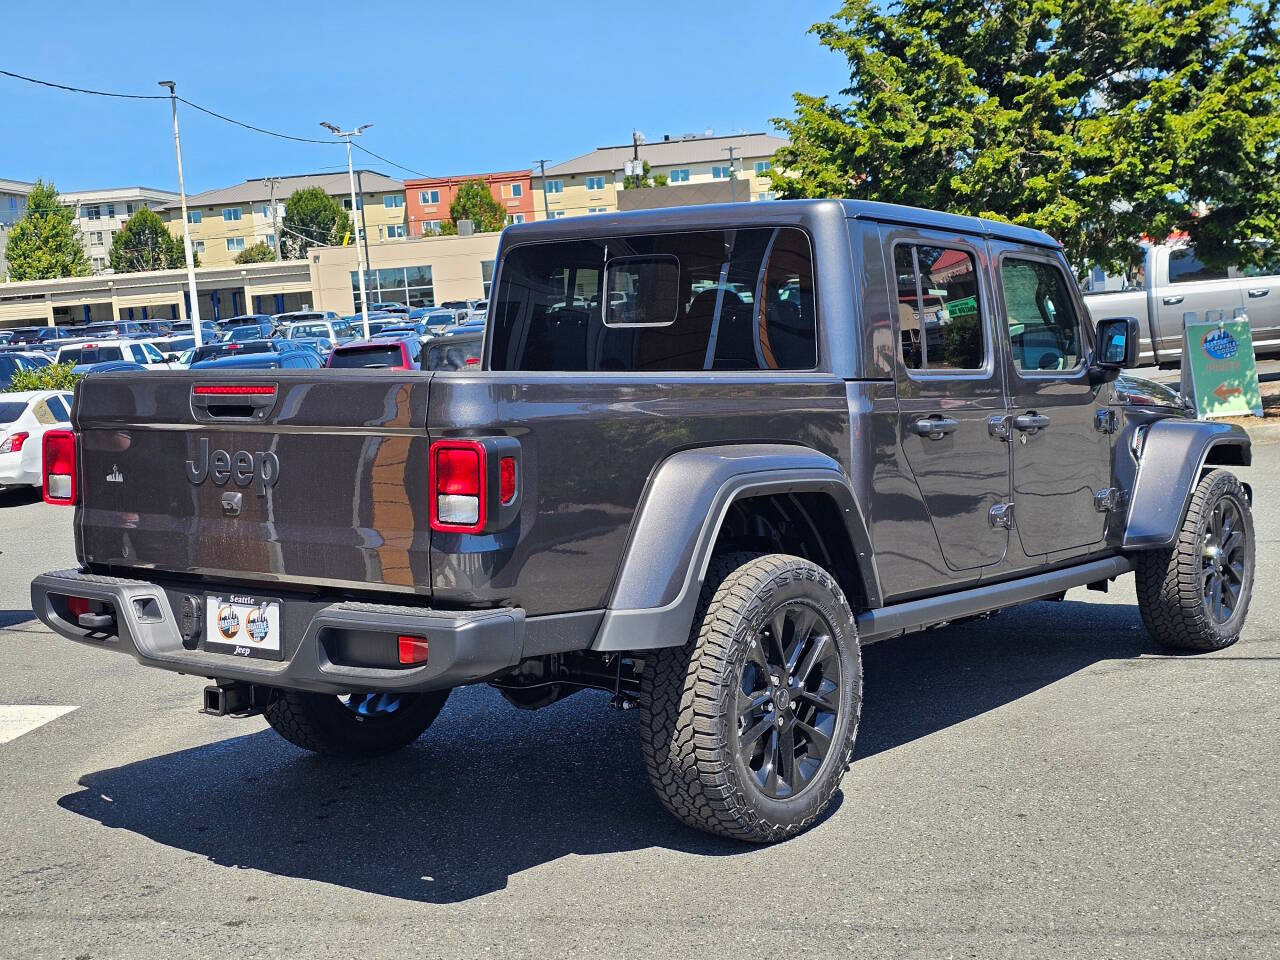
(1218, 366)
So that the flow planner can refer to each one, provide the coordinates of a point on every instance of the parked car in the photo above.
(11, 363)
(407, 328)
(244, 347)
(261, 360)
(390, 354)
(389, 306)
(705, 511)
(135, 351)
(307, 316)
(184, 328)
(334, 329)
(458, 352)
(466, 329)
(24, 419)
(1171, 283)
(4, 336)
(107, 366)
(248, 331)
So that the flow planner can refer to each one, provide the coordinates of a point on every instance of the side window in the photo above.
(58, 409)
(940, 321)
(44, 413)
(152, 354)
(1044, 330)
(1185, 267)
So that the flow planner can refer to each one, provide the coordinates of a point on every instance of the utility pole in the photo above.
(275, 226)
(546, 207)
(733, 182)
(364, 227)
(360, 267)
(196, 330)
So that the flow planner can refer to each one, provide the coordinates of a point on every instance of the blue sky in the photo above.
(450, 87)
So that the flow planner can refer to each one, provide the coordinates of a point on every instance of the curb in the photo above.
(1264, 433)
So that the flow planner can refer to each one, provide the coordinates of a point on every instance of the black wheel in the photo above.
(358, 725)
(749, 727)
(1195, 595)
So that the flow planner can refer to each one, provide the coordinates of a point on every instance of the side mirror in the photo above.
(1116, 343)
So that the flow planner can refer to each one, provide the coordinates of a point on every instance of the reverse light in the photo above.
(456, 478)
(413, 650)
(59, 462)
(13, 443)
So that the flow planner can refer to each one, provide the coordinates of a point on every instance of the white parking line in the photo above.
(17, 720)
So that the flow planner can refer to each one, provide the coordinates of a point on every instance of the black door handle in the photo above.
(1172, 301)
(1259, 292)
(1030, 422)
(934, 428)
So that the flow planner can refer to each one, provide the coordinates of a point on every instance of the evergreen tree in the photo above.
(45, 244)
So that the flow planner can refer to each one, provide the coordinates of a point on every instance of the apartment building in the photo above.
(428, 198)
(13, 207)
(101, 213)
(591, 183)
(224, 222)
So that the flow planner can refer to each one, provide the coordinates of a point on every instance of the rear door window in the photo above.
(58, 409)
(1185, 267)
(1044, 328)
(705, 300)
(940, 322)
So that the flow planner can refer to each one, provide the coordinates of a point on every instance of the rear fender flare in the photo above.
(1174, 456)
(665, 562)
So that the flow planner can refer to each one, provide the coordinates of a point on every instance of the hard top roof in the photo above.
(765, 213)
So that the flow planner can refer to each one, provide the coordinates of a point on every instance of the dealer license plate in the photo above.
(243, 626)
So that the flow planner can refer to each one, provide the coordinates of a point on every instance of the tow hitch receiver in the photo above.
(235, 699)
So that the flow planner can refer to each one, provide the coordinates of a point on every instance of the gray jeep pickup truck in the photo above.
(707, 453)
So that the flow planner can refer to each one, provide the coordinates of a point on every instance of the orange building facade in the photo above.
(428, 198)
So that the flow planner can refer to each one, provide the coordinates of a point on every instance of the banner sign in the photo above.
(1218, 367)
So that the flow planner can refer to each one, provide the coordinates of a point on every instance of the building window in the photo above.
(557, 214)
(265, 211)
(128, 209)
(763, 167)
(92, 213)
(230, 214)
(554, 186)
(678, 176)
(99, 263)
(430, 227)
(271, 240)
(486, 276)
(513, 190)
(597, 209)
(194, 216)
(515, 218)
(407, 285)
(721, 173)
(197, 246)
(235, 243)
(346, 203)
(97, 236)
(393, 200)
(595, 183)
(395, 231)
(768, 195)
(111, 209)
(428, 197)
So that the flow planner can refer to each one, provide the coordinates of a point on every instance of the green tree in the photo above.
(312, 218)
(145, 243)
(258, 253)
(475, 202)
(1099, 122)
(45, 243)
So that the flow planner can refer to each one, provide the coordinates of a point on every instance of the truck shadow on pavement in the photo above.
(490, 791)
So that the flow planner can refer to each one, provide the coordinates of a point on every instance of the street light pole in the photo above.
(733, 184)
(196, 329)
(351, 175)
(546, 207)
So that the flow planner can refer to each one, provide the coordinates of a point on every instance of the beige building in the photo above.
(418, 272)
(224, 222)
(591, 183)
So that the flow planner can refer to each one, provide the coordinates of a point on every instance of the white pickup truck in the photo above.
(1172, 283)
(100, 351)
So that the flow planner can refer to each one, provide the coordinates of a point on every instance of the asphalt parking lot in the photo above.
(1044, 784)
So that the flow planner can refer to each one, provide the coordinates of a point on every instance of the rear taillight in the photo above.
(456, 476)
(507, 480)
(13, 443)
(60, 467)
(412, 650)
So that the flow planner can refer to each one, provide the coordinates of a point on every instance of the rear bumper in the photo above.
(464, 646)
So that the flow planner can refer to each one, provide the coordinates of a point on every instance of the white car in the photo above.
(24, 419)
(100, 351)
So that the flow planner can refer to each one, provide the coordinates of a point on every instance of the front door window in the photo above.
(1044, 330)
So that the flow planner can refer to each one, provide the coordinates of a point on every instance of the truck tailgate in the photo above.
(291, 477)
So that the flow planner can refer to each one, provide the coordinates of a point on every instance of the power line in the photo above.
(250, 126)
(96, 93)
(416, 173)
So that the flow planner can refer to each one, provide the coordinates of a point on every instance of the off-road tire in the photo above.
(688, 722)
(323, 724)
(1170, 580)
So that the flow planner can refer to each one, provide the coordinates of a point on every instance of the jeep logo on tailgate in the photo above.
(260, 468)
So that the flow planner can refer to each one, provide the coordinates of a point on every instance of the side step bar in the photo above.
(899, 618)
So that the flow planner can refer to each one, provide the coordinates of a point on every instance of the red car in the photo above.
(387, 354)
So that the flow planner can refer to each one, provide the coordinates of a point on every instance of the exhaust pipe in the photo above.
(234, 698)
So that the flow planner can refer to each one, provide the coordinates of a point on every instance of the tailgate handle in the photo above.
(232, 401)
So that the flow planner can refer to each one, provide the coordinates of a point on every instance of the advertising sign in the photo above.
(1218, 357)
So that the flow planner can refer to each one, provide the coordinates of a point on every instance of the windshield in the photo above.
(308, 330)
(11, 410)
(388, 355)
